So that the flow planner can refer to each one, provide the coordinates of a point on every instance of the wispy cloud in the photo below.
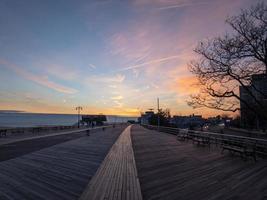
(61, 72)
(118, 104)
(160, 60)
(136, 72)
(117, 97)
(41, 80)
(92, 66)
(184, 85)
(181, 5)
(118, 78)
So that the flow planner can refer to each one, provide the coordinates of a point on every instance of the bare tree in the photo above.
(228, 62)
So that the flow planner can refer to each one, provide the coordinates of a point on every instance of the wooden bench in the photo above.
(36, 129)
(3, 133)
(261, 150)
(182, 135)
(244, 150)
(201, 140)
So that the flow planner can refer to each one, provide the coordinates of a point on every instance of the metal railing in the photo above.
(24, 131)
(259, 145)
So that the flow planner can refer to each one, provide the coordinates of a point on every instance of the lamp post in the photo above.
(158, 115)
(79, 108)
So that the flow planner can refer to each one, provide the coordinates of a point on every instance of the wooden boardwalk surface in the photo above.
(169, 169)
(116, 179)
(58, 172)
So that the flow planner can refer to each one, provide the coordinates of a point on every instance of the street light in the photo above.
(79, 108)
(158, 114)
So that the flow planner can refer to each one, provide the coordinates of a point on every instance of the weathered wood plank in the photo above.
(116, 179)
(58, 172)
(171, 169)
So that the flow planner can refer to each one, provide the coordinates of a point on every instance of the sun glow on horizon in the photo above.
(110, 57)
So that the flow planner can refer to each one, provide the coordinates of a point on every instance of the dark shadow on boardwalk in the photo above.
(169, 169)
(58, 172)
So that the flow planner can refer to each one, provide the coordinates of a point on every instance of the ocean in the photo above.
(36, 119)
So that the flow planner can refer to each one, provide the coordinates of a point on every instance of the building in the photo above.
(145, 117)
(254, 95)
(190, 121)
(94, 119)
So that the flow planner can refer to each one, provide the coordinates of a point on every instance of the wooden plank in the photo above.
(170, 169)
(58, 172)
(116, 179)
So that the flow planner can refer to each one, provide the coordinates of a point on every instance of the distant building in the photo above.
(94, 119)
(145, 117)
(258, 89)
(190, 121)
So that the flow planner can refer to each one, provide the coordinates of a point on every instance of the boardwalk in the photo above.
(169, 169)
(133, 165)
(13, 147)
(117, 178)
(58, 172)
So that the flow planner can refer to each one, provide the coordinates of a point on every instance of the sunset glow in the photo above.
(111, 57)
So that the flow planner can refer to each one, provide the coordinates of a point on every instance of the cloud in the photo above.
(41, 80)
(184, 85)
(159, 60)
(61, 72)
(181, 5)
(118, 104)
(136, 72)
(118, 78)
(117, 97)
(113, 86)
(92, 66)
(168, 4)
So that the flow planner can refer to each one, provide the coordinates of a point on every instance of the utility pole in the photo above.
(158, 115)
(79, 108)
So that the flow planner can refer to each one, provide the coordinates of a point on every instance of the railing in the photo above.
(259, 145)
(43, 129)
(35, 130)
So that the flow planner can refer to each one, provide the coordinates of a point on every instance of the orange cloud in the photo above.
(185, 85)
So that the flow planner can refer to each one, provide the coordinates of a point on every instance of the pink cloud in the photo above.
(41, 80)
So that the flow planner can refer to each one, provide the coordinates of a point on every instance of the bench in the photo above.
(201, 140)
(3, 133)
(261, 150)
(238, 147)
(36, 130)
(182, 135)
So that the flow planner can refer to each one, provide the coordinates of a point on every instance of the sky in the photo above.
(108, 56)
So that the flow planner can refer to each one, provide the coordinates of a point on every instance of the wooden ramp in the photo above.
(117, 176)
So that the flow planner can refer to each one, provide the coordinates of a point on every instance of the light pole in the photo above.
(158, 115)
(79, 108)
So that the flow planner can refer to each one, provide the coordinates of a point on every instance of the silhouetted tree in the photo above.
(227, 62)
(164, 116)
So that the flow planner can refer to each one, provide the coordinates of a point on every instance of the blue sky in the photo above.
(112, 57)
